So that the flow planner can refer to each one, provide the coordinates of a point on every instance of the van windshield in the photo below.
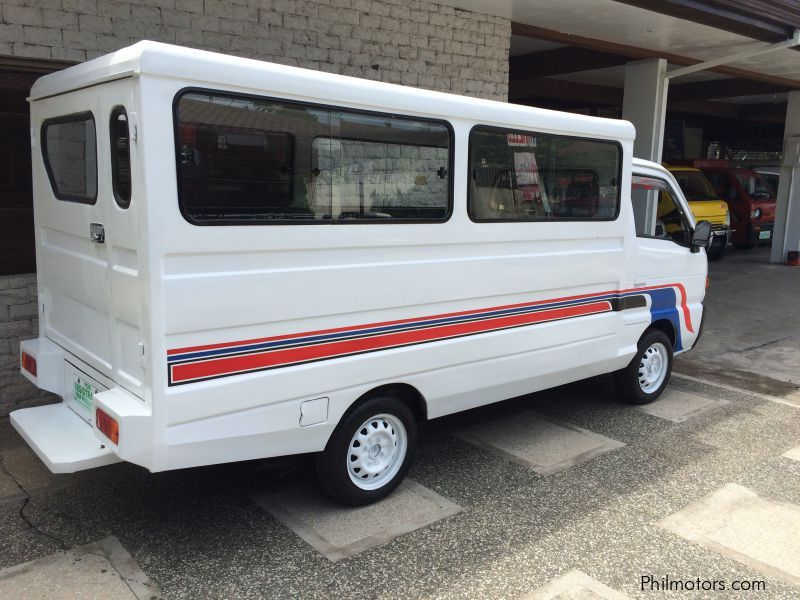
(753, 185)
(694, 185)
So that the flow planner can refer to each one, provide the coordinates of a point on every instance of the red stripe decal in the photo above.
(383, 323)
(265, 360)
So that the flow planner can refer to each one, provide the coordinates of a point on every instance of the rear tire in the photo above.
(646, 376)
(369, 452)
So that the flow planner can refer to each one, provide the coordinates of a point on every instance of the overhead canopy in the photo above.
(574, 50)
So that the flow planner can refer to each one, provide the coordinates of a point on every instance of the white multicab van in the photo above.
(240, 260)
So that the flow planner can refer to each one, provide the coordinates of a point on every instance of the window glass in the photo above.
(694, 185)
(530, 177)
(722, 186)
(772, 180)
(69, 147)
(254, 160)
(753, 185)
(656, 211)
(383, 168)
(120, 157)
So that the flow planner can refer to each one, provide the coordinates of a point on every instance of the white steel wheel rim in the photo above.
(653, 367)
(377, 451)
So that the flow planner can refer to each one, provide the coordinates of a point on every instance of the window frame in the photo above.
(504, 130)
(330, 107)
(115, 112)
(678, 205)
(79, 117)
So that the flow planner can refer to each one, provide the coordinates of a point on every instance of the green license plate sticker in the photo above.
(764, 235)
(83, 392)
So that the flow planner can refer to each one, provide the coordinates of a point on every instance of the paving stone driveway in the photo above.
(506, 530)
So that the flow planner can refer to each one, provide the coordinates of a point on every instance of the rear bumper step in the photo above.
(61, 439)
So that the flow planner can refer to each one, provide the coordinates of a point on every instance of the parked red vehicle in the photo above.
(749, 199)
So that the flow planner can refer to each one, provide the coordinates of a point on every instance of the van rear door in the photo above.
(88, 229)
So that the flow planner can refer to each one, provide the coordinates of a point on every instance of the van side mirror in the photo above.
(701, 235)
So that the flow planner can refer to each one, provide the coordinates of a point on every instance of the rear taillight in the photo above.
(29, 363)
(107, 425)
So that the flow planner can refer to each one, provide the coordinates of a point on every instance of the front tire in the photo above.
(716, 252)
(646, 376)
(369, 452)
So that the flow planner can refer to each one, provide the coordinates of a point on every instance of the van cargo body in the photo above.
(234, 255)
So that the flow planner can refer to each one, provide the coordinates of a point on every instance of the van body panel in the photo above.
(207, 340)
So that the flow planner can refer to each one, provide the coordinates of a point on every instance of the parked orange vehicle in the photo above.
(749, 199)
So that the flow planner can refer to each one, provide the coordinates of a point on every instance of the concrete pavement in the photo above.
(751, 337)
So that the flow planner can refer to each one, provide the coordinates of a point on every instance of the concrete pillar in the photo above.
(787, 213)
(645, 105)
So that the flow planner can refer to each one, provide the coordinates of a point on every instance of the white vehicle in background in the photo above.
(240, 260)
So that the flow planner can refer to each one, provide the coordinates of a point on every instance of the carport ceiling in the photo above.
(576, 50)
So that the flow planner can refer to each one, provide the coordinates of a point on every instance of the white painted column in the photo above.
(645, 105)
(787, 213)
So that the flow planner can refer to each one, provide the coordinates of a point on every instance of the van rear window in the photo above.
(69, 148)
(528, 176)
(252, 160)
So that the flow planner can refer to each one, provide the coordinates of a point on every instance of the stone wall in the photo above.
(18, 321)
(408, 42)
(413, 43)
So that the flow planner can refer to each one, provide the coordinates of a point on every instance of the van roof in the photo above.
(210, 69)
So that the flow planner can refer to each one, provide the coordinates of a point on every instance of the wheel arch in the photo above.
(404, 392)
(668, 328)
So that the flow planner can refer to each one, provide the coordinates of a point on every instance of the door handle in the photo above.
(97, 233)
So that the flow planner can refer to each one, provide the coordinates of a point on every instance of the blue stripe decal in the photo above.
(663, 306)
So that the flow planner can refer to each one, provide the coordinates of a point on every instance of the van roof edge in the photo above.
(211, 68)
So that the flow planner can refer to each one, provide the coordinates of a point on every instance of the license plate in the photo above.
(82, 392)
(765, 235)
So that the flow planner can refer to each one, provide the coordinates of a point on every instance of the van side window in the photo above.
(526, 176)
(251, 160)
(69, 149)
(656, 212)
(120, 157)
